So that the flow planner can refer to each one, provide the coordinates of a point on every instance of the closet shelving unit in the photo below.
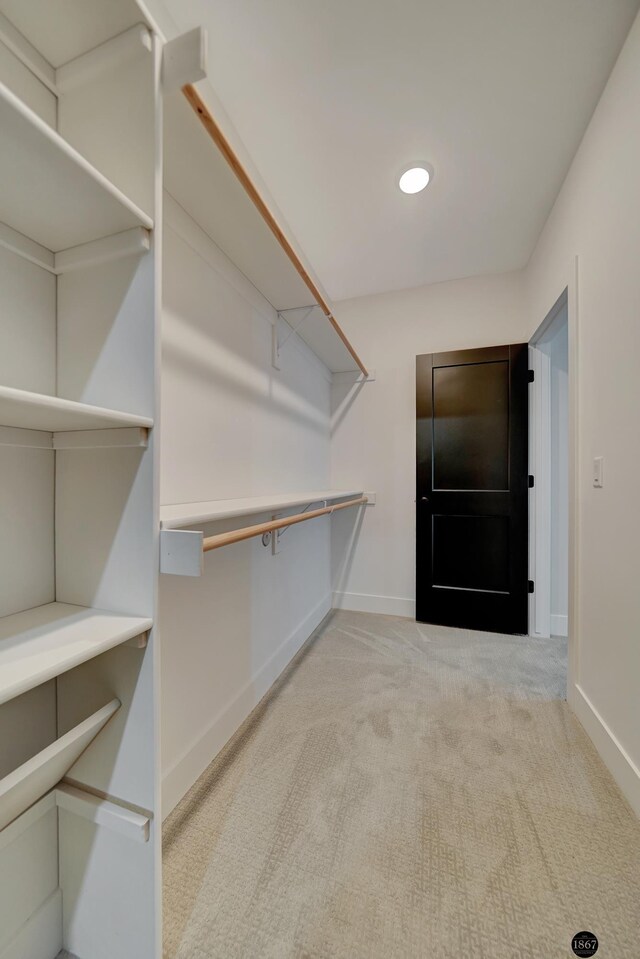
(182, 548)
(205, 175)
(80, 167)
(82, 85)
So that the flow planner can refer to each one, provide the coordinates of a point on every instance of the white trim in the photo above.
(103, 812)
(571, 286)
(179, 778)
(612, 752)
(133, 242)
(540, 494)
(27, 248)
(41, 935)
(33, 439)
(371, 603)
(559, 624)
(573, 626)
(125, 437)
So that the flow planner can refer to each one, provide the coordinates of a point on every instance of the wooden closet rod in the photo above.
(237, 535)
(198, 105)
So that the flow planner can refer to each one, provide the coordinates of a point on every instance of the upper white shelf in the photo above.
(211, 184)
(54, 196)
(44, 642)
(181, 515)
(39, 411)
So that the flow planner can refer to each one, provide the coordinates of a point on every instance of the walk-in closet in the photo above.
(139, 266)
(318, 611)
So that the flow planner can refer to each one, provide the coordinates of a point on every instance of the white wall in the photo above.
(597, 219)
(373, 424)
(232, 426)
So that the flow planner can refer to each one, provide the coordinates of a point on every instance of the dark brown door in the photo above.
(472, 482)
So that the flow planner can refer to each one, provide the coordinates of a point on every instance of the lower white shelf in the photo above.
(180, 515)
(39, 411)
(29, 782)
(44, 642)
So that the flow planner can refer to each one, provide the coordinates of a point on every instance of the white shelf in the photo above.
(199, 178)
(44, 642)
(38, 411)
(29, 782)
(54, 195)
(181, 515)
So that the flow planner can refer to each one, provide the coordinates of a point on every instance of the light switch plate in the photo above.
(598, 472)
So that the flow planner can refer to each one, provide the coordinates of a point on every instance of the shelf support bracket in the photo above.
(278, 344)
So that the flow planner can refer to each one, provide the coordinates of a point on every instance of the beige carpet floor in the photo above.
(406, 791)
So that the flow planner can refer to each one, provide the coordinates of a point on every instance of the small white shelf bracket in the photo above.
(276, 343)
(184, 60)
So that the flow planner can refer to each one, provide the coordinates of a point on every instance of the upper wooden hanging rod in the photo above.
(237, 535)
(199, 107)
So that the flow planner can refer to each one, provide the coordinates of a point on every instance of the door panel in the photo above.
(471, 426)
(471, 552)
(472, 488)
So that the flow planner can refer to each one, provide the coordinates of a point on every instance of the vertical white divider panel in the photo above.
(107, 519)
(30, 901)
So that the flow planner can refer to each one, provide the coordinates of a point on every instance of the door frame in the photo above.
(540, 493)
(539, 496)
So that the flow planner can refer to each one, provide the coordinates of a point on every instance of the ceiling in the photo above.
(332, 100)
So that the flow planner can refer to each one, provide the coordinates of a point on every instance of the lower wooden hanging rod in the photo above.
(237, 535)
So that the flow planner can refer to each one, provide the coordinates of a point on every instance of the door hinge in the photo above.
(532, 375)
(531, 586)
(531, 481)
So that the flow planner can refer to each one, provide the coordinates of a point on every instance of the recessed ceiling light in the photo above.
(414, 180)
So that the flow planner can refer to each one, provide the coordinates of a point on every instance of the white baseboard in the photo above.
(559, 625)
(370, 603)
(615, 757)
(181, 776)
(41, 935)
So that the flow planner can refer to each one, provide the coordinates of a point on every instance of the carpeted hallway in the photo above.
(405, 791)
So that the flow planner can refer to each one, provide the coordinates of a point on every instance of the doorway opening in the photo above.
(549, 472)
